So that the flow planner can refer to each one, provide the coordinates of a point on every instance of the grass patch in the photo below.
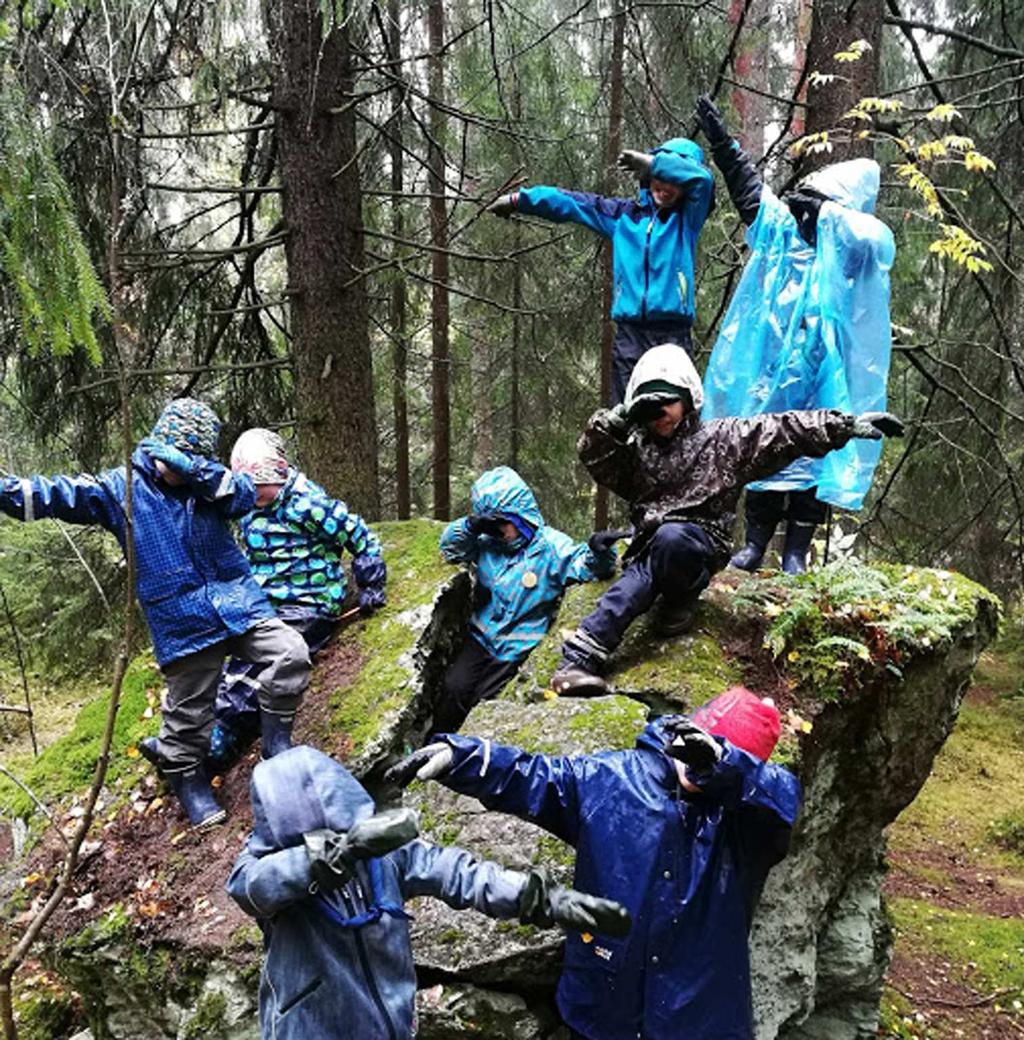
(976, 788)
(66, 766)
(991, 948)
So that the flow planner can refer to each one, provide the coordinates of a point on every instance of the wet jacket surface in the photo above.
(808, 325)
(699, 472)
(653, 253)
(518, 585)
(689, 868)
(321, 978)
(295, 546)
(192, 580)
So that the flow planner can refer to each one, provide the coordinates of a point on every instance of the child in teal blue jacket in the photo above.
(522, 568)
(654, 243)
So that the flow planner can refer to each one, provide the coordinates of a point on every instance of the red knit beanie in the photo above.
(743, 719)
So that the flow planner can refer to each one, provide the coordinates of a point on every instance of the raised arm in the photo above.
(741, 175)
(459, 542)
(605, 450)
(264, 885)
(233, 494)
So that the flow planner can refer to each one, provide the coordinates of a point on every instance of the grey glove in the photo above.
(333, 854)
(876, 425)
(639, 163)
(504, 205)
(711, 122)
(428, 763)
(644, 409)
(692, 745)
(544, 904)
(599, 541)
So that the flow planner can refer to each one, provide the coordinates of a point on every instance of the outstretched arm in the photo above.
(455, 876)
(597, 212)
(84, 499)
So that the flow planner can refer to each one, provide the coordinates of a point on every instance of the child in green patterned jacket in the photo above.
(294, 541)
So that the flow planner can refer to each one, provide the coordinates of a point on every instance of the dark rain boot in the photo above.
(749, 558)
(577, 674)
(799, 536)
(150, 751)
(196, 796)
(276, 733)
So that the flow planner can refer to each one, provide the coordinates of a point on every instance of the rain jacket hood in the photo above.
(688, 868)
(519, 584)
(666, 364)
(302, 790)
(503, 492)
(854, 183)
(808, 327)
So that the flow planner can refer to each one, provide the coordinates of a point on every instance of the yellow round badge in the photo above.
(529, 580)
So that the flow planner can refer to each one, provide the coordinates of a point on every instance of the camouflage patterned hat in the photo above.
(188, 425)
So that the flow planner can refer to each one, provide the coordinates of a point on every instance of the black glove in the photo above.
(711, 122)
(333, 854)
(544, 904)
(504, 205)
(599, 541)
(647, 408)
(429, 762)
(639, 163)
(371, 600)
(876, 425)
(692, 745)
(484, 523)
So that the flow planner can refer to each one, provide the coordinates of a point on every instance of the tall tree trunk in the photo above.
(440, 354)
(614, 147)
(400, 347)
(322, 203)
(751, 66)
(835, 25)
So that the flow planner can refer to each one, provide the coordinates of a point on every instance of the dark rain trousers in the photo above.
(633, 339)
(474, 676)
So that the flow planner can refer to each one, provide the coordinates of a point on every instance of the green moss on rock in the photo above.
(208, 1021)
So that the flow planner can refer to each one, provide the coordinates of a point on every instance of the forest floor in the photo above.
(955, 888)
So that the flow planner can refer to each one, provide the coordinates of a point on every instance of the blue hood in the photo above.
(302, 790)
(681, 146)
(503, 491)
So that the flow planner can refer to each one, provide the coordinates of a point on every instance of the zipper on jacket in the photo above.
(371, 982)
(647, 267)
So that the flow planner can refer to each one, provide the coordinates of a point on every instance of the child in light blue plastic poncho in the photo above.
(808, 327)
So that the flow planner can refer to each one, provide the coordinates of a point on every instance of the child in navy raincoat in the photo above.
(808, 327)
(654, 243)
(522, 568)
(681, 831)
(193, 582)
(327, 878)
(294, 540)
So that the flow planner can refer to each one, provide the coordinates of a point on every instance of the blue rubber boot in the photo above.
(276, 733)
(799, 536)
(758, 536)
(196, 796)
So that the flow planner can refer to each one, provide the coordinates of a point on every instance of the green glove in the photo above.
(333, 854)
(544, 904)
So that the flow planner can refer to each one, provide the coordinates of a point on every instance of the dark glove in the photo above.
(504, 205)
(647, 408)
(711, 122)
(876, 425)
(429, 762)
(484, 523)
(333, 854)
(371, 600)
(544, 904)
(639, 163)
(599, 541)
(618, 421)
(173, 458)
(692, 745)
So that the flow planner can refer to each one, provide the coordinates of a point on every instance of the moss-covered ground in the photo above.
(415, 570)
(956, 888)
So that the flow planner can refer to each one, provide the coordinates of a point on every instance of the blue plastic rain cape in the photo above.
(808, 327)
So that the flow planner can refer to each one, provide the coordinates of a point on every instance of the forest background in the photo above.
(278, 207)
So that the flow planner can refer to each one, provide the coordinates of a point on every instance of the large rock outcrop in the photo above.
(868, 664)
